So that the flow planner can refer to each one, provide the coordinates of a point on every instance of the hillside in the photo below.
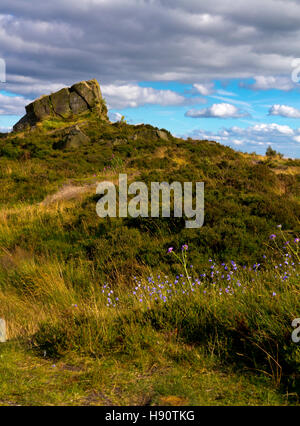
(245, 197)
(57, 254)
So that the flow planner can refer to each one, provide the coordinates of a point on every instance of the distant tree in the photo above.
(272, 153)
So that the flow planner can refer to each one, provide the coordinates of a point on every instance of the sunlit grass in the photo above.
(99, 312)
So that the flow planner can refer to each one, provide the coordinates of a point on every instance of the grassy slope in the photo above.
(155, 379)
(56, 255)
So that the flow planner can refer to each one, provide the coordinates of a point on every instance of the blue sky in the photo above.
(260, 126)
(205, 70)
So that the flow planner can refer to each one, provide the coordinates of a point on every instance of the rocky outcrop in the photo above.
(71, 138)
(82, 96)
(162, 135)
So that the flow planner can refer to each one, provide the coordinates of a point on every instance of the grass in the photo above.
(62, 270)
(195, 347)
(172, 374)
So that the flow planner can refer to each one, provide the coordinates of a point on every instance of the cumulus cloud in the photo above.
(12, 105)
(130, 95)
(222, 110)
(114, 116)
(258, 136)
(25, 85)
(273, 82)
(297, 138)
(284, 111)
(271, 129)
(126, 41)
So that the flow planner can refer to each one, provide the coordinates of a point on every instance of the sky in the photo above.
(218, 70)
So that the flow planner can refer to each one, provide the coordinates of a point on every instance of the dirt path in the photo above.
(68, 192)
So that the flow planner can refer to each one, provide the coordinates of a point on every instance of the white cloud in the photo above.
(130, 95)
(5, 129)
(273, 82)
(114, 116)
(12, 105)
(27, 85)
(237, 142)
(204, 89)
(284, 111)
(222, 110)
(297, 138)
(256, 137)
(208, 89)
(134, 40)
(271, 129)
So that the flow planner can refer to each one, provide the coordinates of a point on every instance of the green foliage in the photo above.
(243, 199)
(272, 153)
(58, 254)
(248, 327)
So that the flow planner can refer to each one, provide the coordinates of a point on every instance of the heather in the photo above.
(108, 306)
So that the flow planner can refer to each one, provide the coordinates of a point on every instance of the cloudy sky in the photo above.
(222, 70)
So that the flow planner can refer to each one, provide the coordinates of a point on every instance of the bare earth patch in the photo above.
(68, 192)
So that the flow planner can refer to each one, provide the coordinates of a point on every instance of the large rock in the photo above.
(89, 91)
(40, 109)
(60, 102)
(162, 135)
(71, 138)
(82, 96)
(77, 103)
